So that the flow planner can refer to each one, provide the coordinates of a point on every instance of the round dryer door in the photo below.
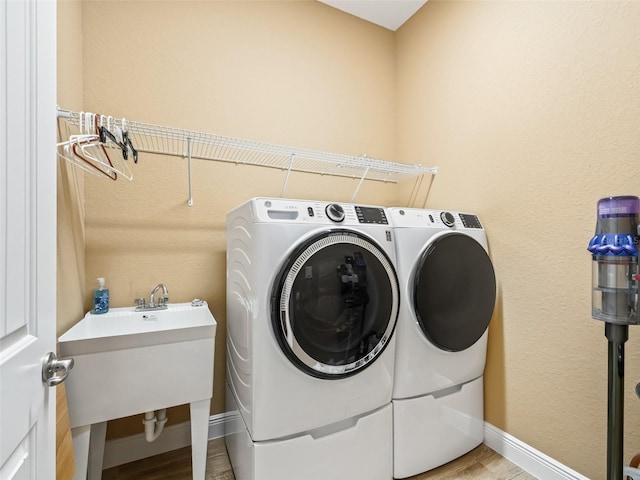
(454, 291)
(335, 304)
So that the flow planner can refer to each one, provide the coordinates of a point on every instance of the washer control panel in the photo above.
(371, 215)
(307, 211)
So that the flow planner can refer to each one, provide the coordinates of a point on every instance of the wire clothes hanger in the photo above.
(72, 151)
(88, 148)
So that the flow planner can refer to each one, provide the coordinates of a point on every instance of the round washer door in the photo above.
(335, 304)
(454, 291)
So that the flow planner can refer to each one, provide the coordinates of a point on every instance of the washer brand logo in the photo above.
(388, 234)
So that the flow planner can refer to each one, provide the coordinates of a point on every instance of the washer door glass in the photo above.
(335, 304)
(454, 291)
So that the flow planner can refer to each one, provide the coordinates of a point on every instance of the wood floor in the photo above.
(481, 463)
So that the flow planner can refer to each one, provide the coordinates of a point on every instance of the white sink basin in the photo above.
(129, 362)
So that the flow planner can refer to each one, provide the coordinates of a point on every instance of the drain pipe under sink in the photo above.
(153, 426)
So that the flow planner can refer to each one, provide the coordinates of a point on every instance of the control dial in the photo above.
(335, 212)
(447, 219)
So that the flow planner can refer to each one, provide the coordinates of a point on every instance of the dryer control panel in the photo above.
(470, 221)
(321, 213)
(443, 219)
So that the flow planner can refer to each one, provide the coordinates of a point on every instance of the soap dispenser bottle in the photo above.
(101, 298)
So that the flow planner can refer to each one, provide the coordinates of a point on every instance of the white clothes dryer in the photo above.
(448, 292)
(312, 304)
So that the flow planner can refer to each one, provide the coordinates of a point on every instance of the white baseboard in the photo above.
(135, 447)
(526, 457)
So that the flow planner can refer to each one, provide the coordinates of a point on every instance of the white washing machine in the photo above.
(448, 293)
(312, 304)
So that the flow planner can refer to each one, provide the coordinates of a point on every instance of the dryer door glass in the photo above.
(335, 304)
(454, 291)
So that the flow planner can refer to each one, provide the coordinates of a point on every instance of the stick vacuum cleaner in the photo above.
(614, 249)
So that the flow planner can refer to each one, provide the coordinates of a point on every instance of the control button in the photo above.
(310, 210)
(335, 212)
(470, 221)
(447, 219)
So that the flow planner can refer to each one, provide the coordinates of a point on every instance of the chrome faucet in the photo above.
(162, 300)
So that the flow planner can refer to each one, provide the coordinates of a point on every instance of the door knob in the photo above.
(55, 371)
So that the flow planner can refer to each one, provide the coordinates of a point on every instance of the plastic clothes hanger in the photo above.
(127, 141)
(119, 166)
(105, 134)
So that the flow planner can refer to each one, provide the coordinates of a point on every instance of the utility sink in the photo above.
(129, 362)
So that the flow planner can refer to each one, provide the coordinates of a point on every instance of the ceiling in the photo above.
(389, 14)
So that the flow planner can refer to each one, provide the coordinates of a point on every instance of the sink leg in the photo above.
(96, 450)
(199, 437)
(81, 437)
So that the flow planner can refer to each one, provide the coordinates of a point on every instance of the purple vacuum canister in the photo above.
(614, 249)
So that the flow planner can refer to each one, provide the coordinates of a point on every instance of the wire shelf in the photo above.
(164, 140)
(172, 141)
(189, 144)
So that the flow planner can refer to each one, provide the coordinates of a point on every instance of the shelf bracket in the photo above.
(364, 175)
(190, 200)
(286, 178)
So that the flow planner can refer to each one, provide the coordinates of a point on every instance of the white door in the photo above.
(27, 236)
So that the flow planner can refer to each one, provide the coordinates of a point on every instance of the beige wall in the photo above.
(70, 201)
(298, 73)
(70, 217)
(531, 110)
